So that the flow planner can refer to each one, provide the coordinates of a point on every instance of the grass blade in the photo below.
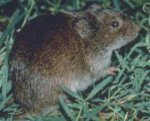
(98, 88)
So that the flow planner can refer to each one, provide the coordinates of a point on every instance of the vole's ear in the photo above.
(82, 27)
(85, 25)
(79, 22)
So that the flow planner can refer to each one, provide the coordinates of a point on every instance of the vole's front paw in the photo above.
(112, 70)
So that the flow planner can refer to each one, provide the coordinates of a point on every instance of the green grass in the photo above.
(124, 97)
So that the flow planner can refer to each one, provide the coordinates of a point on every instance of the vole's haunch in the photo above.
(70, 48)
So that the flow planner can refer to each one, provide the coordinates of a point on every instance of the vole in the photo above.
(71, 48)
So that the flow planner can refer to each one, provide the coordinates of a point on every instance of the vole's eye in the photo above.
(115, 24)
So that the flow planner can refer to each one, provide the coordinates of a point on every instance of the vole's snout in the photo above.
(131, 29)
(128, 18)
